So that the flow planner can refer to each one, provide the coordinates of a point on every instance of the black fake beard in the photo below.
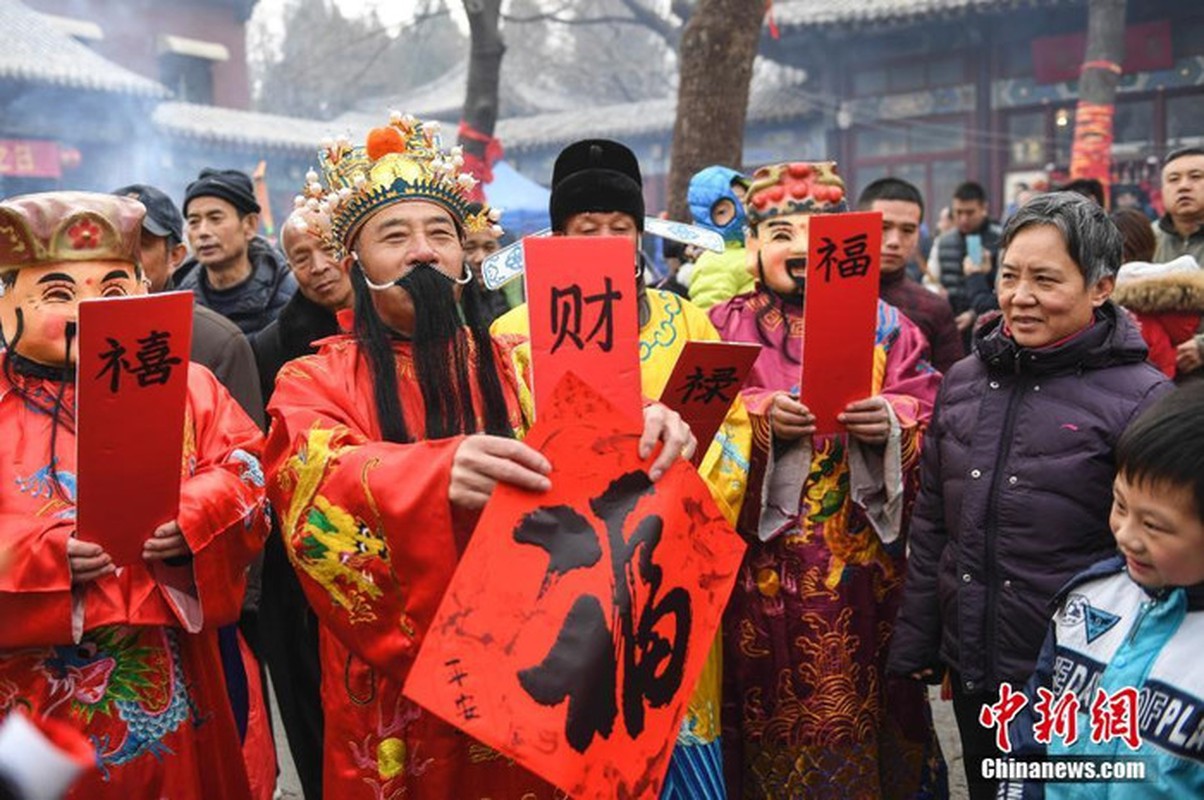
(800, 281)
(441, 353)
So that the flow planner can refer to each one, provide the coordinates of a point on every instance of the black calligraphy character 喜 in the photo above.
(155, 360)
(583, 664)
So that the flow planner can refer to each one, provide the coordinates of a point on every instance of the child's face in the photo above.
(1159, 532)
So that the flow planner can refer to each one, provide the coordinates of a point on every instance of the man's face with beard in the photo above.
(395, 241)
(779, 246)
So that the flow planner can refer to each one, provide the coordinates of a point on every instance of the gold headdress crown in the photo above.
(403, 160)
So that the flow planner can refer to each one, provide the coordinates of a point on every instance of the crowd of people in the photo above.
(1017, 505)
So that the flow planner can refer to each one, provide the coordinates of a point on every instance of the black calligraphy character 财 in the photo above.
(114, 362)
(566, 316)
(856, 262)
(583, 664)
(708, 387)
(155, 360)
(567, 306)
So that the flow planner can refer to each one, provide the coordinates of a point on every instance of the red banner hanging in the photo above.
(132, 383)
(840, 313)
(579, 664)
(30, 158)
(584, 317)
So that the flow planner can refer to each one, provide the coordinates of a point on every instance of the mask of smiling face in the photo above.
(780, 203)
(57, 249)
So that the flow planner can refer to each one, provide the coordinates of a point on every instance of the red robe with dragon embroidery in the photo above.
(130, 659)
(375, 541)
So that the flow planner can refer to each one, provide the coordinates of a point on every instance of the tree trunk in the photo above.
(716, 58)
(481, 100)
(1091, 156)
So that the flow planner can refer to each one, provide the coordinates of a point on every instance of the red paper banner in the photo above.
(579, 620)
(30, 158)
(705, 380)
(840, 313)
(132, 383)
(584, 317)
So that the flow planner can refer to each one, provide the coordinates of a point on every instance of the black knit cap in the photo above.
(596, 175)
(228, 184)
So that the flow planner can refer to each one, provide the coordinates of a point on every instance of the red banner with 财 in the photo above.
(584, 317)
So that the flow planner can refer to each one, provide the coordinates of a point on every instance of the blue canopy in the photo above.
(524, 201)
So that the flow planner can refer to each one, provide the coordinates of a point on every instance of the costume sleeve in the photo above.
(35, 587)
(883, 480)
(367, 524)
(916, 642)
(223, 507)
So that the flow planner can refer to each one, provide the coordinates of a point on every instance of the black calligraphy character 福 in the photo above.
(709, 387)
(583, 664)
(853, 261)
(114, 362)
(856, 261)
(567, 307)
(155, 360)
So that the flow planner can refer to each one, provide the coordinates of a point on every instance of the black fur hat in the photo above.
(596, 175)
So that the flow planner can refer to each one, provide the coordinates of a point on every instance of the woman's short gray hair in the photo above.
(1092, 239)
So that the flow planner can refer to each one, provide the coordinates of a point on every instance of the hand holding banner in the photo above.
(579, 619)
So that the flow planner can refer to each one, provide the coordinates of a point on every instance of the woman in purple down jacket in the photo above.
(1017, 465)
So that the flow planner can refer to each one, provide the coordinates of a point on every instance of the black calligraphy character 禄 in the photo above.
(709, 387)
(567, 306)
(155, 360)
(114, 362)
(583, 664)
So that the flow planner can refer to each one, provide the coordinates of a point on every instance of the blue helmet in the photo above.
(707, 188)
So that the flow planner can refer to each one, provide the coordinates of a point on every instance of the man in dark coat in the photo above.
(902, 209)
(233, 271)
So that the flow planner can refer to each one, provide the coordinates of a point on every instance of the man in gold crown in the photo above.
(383, 449)
(127, 655)
(809, 710)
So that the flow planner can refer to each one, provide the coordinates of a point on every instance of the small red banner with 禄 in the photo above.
(840, 313)
(706, 380)
(584, 317)
(579, 619)
(131, 387)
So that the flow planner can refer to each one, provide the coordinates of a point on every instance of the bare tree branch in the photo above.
(641, 16)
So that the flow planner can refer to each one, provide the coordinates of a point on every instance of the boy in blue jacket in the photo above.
(1119, 682)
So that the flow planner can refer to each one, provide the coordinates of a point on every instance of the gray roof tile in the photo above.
(35, 51)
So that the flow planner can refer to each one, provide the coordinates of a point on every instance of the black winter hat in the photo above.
(229, 184)
(596, 175)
